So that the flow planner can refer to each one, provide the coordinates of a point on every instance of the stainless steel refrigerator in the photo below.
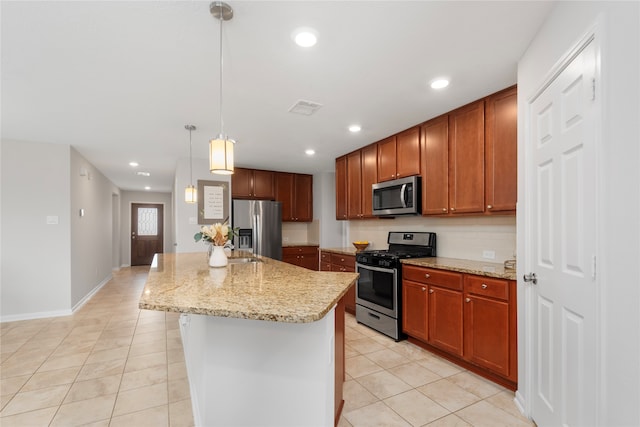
(259, 224)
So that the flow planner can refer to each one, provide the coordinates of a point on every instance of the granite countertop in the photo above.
(342, 251)
(480, 268)
(268, 290)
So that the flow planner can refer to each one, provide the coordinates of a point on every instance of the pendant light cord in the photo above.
(221, 68)
(190, 158)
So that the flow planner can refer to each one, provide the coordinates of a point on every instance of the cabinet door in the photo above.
(284, 194)
(408, 153)
(387, 159)
(263, 185)
(435, 166)
(341, 188)
(445, 319)
(369, 175)
(414, 309)
(303, 203)
(241, 183)
(487, 333)
(501, 157)
(354, 186)
(466, 159)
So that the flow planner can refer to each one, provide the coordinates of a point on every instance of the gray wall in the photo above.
(130, 197)
(618, 33)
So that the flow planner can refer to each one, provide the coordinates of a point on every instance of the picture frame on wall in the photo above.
(213, 202)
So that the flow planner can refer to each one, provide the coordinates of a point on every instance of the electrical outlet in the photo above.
(285, 240)
(489, 254)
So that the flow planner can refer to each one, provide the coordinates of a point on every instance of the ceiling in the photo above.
(118, 80)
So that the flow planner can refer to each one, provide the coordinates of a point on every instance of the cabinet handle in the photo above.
(424, 289)
(484, 286)
(467, 300)
(444, 209)
(431, 291)
(453, 209)
(489, 206)
(342, 259)
(427, 275)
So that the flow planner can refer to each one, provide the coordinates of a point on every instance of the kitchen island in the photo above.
(263, 340)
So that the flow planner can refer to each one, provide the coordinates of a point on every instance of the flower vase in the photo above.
(218, 258)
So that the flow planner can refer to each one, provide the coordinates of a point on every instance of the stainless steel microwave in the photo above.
(398, 197)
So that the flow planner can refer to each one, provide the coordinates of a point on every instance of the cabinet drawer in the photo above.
(325, 256)
(344, 260)
(299, 250)
(325, 266)
(431, 276)
(486, 286)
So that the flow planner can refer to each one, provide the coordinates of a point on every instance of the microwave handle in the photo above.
(403, 195)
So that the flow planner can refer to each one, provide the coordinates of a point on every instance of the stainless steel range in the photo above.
(378, 290)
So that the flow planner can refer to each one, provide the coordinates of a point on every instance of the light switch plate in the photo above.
(489, 254)
(52, 219)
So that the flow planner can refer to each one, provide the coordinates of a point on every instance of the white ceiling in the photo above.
(118, 80)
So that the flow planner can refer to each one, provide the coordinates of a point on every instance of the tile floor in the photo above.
(111, 364)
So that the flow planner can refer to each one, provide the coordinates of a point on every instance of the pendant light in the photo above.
(190, 192)
(221, 148)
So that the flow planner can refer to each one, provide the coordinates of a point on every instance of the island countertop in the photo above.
(266, 290)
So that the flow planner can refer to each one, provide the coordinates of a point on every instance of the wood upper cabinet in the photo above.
(341, 188)
(362, 173)
(295, 191)
(466, 159)
(252, 184)
(399, 155)
(501, 156)
(435, 166)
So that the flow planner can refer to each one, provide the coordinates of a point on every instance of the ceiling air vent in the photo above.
(305, 107)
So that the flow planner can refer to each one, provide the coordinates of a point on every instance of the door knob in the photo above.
(530, 278)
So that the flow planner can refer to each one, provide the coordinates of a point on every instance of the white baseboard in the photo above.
(519, 401)
(92, 293)
(36, 315)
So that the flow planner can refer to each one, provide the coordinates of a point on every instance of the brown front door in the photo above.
(146, 232)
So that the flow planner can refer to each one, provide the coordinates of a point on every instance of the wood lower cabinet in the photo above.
(302, 256)
(252, 184)
(295, 192)
(331, 261)
(468, 319)
(501, 151)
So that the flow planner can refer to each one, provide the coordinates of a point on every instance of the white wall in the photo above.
(130, 197)
(618, 35)
(186, 214)
(330, 230)
(35, 264)
(92, 234)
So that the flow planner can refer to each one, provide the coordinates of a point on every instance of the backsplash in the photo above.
(296, 232)
(463, 238)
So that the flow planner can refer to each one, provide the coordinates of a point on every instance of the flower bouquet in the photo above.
(217, 235)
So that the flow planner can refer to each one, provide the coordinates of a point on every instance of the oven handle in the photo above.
(371, 267)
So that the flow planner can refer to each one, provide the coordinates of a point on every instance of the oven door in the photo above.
(377, 289)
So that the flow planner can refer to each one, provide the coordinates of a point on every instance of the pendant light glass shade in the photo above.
(221, 155)
(190, 194)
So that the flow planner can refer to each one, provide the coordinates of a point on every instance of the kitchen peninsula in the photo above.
(263, 340)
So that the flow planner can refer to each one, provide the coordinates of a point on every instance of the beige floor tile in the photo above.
(451, 420)
(483, 414)
(375, 415)
(152, 417)
(342, 422)
(440, 366)
(4, 399)
(151, 336)
(177, 371)
(36, 399)
(13, 385)
(181, 414)
(118, 353)
(415, 407)
(90, 389)
(475, 384)
(84, 411)
(504, 401)
(175, 355)
(350, 351)
(101, 369)
(51, 378)
(40, 417)
(449, 395)
(359, 366)
(63, 362)
(387, 358)
(414, 374)
(148, 347)
(383, 384)
(115, 342)
(146, 361)
(179, 390)
(410, 351)
(144, 377)
(140, 399)
(352, 334)
(174, 343)
(356, 396)
(366, 345)
(65, 350)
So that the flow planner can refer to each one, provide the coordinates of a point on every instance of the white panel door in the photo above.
(562, 246)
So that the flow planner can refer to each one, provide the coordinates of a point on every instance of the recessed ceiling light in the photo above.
(140, 173)
(355, 128)
(147, 188)
(305, 37)
(309, 152)
(439, 83)
(133, 164)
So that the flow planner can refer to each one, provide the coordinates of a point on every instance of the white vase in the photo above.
(218, 258)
